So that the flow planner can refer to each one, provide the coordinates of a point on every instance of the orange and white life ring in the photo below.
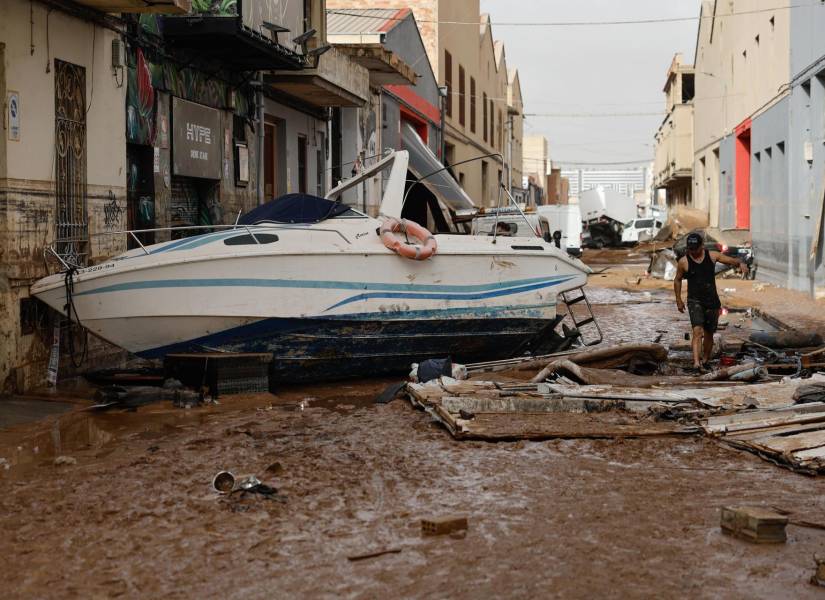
(412, 229)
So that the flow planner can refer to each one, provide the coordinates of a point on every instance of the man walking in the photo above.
(703, 305)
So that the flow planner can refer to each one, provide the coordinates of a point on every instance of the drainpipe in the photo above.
(259, 105)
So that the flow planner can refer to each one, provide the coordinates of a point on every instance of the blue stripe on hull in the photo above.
(328, 349)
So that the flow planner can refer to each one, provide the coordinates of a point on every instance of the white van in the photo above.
(567, 219)
(640, 230)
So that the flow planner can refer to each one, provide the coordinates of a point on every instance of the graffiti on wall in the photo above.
(219, 8)
(112, 213)
(140, 102)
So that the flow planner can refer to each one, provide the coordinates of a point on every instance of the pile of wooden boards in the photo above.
(791, 436)
(487, 410)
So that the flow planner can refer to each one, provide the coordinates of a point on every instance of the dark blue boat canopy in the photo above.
(296, 208)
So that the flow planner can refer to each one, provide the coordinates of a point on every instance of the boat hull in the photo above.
(356, 309)
(329, 349)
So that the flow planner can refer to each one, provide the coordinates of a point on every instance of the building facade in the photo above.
(673, 165)
(467, 61)
(758, 132)
(148, 121)
(628, 182)
(536, 159)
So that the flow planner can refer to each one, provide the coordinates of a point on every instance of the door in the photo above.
(743, 176)
(270, 161)
(70, 162)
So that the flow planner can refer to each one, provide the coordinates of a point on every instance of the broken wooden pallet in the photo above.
(792, 436)
(489, 411)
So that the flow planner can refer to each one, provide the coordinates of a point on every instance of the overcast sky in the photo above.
(594, 69)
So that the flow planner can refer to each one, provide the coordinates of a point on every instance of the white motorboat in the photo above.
(327, 298)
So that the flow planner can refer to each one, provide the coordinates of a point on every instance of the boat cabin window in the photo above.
(247, 239)
(644, 223)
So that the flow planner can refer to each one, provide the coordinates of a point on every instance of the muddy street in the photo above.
(130, 511)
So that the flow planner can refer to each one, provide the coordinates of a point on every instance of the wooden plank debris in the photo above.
(754, 524)
(495, 411)
(792, 436)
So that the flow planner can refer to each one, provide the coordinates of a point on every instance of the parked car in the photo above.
(640, 230)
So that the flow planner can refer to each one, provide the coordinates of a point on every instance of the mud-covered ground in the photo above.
(132, 514)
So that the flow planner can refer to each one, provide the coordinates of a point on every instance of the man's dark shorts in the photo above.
(702, 316)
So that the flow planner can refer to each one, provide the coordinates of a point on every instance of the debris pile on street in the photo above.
(634, 390)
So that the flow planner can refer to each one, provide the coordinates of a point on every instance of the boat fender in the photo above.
(413, 229)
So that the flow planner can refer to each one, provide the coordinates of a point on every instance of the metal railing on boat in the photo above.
(50, 250)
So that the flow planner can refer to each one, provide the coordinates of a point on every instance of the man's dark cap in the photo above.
(694, 241)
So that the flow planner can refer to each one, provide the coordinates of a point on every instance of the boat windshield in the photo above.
(299, 208)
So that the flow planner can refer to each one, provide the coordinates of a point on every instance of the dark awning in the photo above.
(225, 39)
(423, 162)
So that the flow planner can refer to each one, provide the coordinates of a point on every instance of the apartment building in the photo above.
(466, 59)
(759, 118)
(100, 105)
(673, 165)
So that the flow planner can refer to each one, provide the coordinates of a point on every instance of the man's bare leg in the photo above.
(696, 345)
(708, 345)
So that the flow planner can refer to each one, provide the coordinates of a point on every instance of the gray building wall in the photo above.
(807, 131)
(807, 39)
(769, 192)
(405, 40)
(807, 181)
(727, 188)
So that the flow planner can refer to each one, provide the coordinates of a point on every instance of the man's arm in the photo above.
(729, 260)
(681, 267)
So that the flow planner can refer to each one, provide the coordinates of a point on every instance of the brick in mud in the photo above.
(443, 525)
(754, 524)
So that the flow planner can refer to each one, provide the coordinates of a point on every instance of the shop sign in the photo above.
(196, 143)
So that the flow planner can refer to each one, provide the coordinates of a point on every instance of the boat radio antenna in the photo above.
(444, 168)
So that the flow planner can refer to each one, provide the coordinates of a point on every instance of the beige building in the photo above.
(89, 145)
(673, 165)
(536, 159)
(742, 70)
(515, 129)
(54, 183)
(466, 59)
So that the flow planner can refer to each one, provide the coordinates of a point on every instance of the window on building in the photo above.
(462, 93)
(484, 108)
(688, 87)
(492, 124)
(472, 105)
(500, 131)
(448, 81)
(302, 164)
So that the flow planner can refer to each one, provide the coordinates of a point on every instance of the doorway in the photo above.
(743, 175)
(272, 161)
